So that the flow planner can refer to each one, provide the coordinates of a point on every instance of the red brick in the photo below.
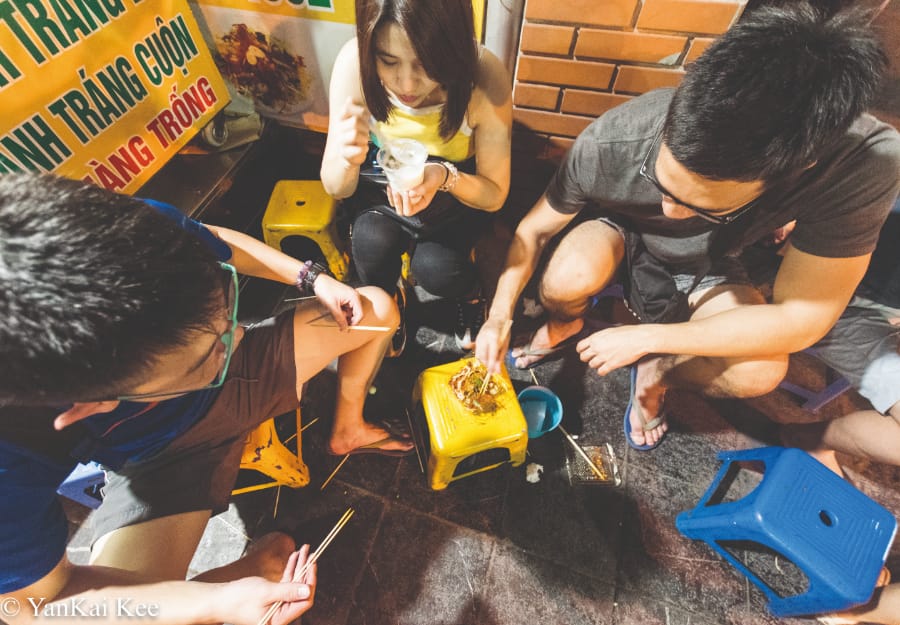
(632, 46)
(689, 16)
(536, 96)
(547, 39)
(590, 102)
(555, 148)
(641, 79)
(698, 47)
(551, 123)
(564, 72)
(585, 12)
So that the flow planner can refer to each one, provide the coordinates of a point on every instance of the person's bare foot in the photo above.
(268, 555)
(345, 441)
(544, 340)
(648, 401)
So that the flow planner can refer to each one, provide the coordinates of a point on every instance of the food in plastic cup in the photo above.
(403, 162)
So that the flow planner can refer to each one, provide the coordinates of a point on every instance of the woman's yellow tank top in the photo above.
(423, 125)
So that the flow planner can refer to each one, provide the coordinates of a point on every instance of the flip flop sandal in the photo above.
(648, 425)
(545, 354)
(376, 447)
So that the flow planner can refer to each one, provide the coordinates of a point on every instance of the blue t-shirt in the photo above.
(35, 459)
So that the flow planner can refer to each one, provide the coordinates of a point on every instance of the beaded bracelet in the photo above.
(306, 276)
(301, 276)
(451, 178)
(314, 271)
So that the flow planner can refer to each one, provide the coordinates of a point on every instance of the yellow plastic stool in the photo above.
(264, 452)
(303, 208)
(461, 443)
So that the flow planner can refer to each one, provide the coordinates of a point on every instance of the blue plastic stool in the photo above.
(83, 485)
(815, 400)
(837, 536)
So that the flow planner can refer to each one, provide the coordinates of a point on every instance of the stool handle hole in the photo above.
(826, 519)
(300, 203)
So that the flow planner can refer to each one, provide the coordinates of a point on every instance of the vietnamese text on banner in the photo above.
(102, 90)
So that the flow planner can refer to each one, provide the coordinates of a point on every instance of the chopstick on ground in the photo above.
(599, 473)
(298, 575)
(333, 473)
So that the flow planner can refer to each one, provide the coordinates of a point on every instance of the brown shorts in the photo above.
(197, 470)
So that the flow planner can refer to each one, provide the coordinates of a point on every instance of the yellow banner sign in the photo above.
(102, 90)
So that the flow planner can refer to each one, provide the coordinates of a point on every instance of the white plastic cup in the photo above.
(403, 162)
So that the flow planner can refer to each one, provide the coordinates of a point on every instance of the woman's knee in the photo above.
(375, 235)
(443, 272)
(380, 305)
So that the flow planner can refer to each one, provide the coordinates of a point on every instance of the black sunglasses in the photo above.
(705, 213)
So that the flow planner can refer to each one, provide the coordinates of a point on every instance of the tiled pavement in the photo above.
(494, 549)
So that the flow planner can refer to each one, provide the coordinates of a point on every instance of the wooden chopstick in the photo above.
(367, 328)
(299, 299)
(507, 325)
(333, 473)
(600, 474)
(309, 562)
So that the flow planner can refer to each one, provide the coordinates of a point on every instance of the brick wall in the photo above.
(579, 58)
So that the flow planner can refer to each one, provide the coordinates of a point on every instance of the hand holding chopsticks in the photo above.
(504, 332)
(301, 573)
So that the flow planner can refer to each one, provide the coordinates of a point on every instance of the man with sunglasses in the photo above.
(120, 344)
(768, 126)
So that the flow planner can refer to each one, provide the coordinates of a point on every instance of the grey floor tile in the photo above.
(223, 542)
(476, 501)
(522, 588)
(642, 608)
(342, 565)
(657, 561)
(422, 571)
(577, 527)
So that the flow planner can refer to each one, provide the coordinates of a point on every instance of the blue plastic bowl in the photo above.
(542, 409)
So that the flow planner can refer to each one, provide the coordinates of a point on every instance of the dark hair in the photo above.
(442, 34)
(773, 93)
(94, 286)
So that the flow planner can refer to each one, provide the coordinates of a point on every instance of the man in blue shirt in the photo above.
(120, 344)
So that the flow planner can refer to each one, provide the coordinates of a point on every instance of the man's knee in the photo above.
(583, 263)
(383, 306)
(569, 283)
(752, 378)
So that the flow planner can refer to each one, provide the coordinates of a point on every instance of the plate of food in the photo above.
(478, 392)
(262, 68)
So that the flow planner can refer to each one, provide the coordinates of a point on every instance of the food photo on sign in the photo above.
(277, 56)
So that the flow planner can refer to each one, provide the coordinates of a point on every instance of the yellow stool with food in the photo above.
(472, 426)
(303, 208)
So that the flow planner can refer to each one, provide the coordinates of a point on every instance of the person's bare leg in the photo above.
(139, 549)
(883, 609)
(715, 377)
(265, 557)
(359, 354)
(583, 263)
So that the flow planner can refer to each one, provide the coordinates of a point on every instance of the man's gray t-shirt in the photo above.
(840, 203)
